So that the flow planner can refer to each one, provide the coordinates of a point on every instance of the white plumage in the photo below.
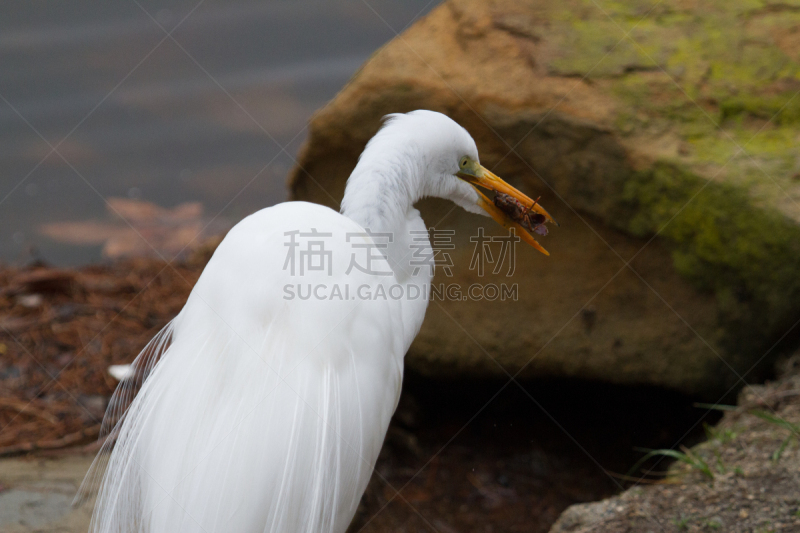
(265, 413)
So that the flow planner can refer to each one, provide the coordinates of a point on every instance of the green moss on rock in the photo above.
(749, 257)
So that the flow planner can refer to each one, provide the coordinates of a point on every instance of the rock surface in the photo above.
(661, 135)
(746, 477)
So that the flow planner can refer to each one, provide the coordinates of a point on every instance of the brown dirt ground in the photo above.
(751, 480)
(59, 332)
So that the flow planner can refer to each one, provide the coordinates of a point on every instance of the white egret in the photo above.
(267, 399)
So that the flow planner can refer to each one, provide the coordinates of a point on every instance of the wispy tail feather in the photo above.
(224, 437)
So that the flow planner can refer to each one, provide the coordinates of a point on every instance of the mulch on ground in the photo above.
(60, 329)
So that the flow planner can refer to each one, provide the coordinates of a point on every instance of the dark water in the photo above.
(205, 117)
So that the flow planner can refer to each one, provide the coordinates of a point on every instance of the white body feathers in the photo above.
(265, 413)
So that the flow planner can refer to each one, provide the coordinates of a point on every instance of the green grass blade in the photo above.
(778, 421)
(689, 458)
(715, 406)
(776, 455)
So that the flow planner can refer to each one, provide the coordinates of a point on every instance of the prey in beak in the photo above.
(511, 217)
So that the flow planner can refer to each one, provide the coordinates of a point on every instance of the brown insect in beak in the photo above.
(525, 217)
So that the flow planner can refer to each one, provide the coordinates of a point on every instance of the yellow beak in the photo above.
(487, 179)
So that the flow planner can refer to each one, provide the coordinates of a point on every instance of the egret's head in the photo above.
(453, 170)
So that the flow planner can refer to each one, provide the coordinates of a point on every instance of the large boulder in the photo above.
(661, 138)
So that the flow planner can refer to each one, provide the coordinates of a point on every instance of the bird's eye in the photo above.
(464, 161)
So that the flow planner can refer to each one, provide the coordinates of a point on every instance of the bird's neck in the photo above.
(383, 187)
(380, 197)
